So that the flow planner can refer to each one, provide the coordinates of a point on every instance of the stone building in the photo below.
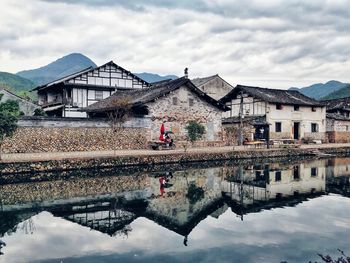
(273, 114)
(172, 101)
(66, 96)
(214, 86)
(338, 120)
(26, 106)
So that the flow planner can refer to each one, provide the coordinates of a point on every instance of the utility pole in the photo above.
(240, 132)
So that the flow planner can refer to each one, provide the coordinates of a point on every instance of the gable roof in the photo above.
(142, 96)
(198, 82)
(289, 97)
(3, 89)
(65, 79)
(336, 116)
(338, 104)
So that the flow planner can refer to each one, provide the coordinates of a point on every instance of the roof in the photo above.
(15, 95)
(201, 81)
(338, 104)
(138, 97)
(198, 82)
(291, 97)
(89, 69)
(253, 120)
(336, 116)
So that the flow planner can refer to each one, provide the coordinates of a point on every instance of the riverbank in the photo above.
(66, 161)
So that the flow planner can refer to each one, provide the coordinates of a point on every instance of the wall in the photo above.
(216, 88)
(62, 135)
(338, 131)
(177, 116)
(305, 116)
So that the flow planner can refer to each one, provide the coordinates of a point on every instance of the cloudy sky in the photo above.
(271, 43)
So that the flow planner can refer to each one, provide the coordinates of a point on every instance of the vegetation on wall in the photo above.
(9, 113)
(195, 131)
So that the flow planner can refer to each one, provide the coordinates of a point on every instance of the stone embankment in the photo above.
(166, 157)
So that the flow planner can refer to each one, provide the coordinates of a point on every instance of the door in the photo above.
(296, 130)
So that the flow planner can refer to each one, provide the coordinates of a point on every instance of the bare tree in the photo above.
(120, 111)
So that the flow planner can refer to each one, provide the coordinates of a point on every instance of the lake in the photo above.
(282, 211)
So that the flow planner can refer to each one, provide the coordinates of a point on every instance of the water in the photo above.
(269, 212)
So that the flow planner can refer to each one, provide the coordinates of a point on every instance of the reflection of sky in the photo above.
(295, 234)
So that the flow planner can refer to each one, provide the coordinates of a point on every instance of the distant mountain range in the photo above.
(26, 80)
(150, 77)
(60, 68)
(320, 90)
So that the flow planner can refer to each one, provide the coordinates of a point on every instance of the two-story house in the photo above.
(274, 114)
(214, 86)
(66, 97)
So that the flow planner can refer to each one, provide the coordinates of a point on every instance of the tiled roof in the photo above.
(289, 97)
(253, 120)
(142, 96)
(201, 81)
(335, 104)
(336, 116)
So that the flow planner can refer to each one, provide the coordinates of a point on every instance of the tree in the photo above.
(195, 131)
(121, 110)
(9, 113)
(39, 112)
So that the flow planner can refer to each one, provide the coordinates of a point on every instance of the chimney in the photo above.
(186, 73)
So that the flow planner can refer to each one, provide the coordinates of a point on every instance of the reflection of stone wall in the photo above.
(64, 139)
(65, 189)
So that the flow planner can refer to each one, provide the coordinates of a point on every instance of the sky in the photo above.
(268, 43)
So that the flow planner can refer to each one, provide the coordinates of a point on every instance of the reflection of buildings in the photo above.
(111, 204)
(338, 176)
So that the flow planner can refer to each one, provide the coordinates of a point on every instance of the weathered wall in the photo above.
(338, 131)
(65, 139)
(177, 116)
(216, 88)
(231, 133)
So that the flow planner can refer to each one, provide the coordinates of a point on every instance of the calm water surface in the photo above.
(271, 212)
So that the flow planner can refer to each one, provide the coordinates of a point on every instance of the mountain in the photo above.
(60, 68)
(150, 77)
(341, 93)
(320, 90)
(15, 83)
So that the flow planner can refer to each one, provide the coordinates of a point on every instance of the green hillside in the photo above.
(320, 90)
(341, 93)
(18, 85)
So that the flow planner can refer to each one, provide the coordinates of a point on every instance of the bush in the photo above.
(39, 112)
(195, 131)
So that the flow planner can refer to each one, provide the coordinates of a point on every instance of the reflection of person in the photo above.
(162, 185)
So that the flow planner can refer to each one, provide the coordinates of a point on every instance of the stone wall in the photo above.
(231, 133)
(64, 139)
(338, 131)
(177, 116)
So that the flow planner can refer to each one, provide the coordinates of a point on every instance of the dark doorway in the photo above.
(296, 130)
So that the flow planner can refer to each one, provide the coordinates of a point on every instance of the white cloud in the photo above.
(267, 43)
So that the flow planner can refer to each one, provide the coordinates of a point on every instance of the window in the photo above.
(278, 176)
(314, 127)
(190, 102)
(314, 171)
(296, 107)
(98, 94)
(174, 101)
(313, 109)
(278, 127)
(279, 106)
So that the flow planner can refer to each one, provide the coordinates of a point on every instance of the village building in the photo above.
(66, 96)
(338, 120)
(25, 106)
(214, 86)
(175, 102)
(271, 114)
